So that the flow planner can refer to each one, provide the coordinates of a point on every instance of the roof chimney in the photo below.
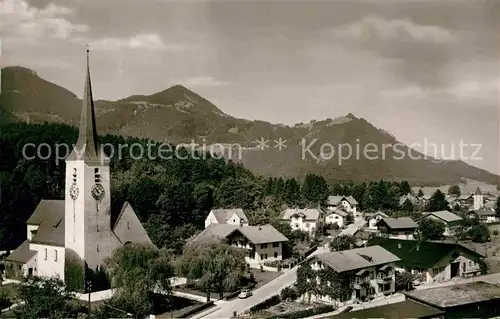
(399, 245)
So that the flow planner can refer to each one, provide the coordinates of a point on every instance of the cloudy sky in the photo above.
(421, 70)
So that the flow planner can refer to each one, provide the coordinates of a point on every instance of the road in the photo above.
(227, 309)
(273, 287)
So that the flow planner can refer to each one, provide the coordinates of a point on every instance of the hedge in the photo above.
(272, 301)
(195, 309)
(305, 313)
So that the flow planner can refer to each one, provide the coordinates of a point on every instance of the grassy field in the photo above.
(465, 188)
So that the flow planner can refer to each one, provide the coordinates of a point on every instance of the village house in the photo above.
(399, 227)
(86, 222)
(433, 261)
(408, 198)
(373, 219)
(484, 215)
(368, 271)
(450, 220)
(306, 220)
(263, 243)
(347, 203)
(466, 200)
(338, 217)
(233, 216)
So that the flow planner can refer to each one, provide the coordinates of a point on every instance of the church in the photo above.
(86, 222)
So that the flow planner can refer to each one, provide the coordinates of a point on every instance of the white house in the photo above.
(433, 261)
(368, 271)
(264, 243)
(347, 203)
(484, 215)
(336, 216)
(233, 216)
(306, 220)
(86, 221)
(450, 220)
(373, 219)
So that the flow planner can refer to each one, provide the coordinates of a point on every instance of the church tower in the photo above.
(478, 199)
(87, 193)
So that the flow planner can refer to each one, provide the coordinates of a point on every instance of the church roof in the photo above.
(478, 191)
(22, 254)
(48, 210)
(49, 215)
(87, 146)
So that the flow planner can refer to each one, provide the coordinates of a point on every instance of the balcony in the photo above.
(384, 280)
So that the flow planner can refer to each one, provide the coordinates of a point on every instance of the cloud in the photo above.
(468, 90)
(377, 27)
(422, 55)
(24, 22)
(205, 81)
(149, 41)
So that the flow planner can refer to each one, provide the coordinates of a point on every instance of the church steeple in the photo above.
(87, 147)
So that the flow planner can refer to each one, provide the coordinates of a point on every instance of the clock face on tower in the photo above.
(73, 191)
(97, 191)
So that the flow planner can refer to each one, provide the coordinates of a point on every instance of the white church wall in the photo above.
(50, 260)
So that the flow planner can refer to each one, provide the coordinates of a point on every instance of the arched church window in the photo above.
(45, 253)
(55, 254)
(74, 175)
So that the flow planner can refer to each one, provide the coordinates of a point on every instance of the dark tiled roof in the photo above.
(457, 295)
(22, 254)
(48, 210)
(420, 254)
(403, 309)
(254, 234)
(399, 223)
(49, 234)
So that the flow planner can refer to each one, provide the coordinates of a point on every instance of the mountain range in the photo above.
(178, 115)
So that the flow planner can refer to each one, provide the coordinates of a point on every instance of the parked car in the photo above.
(245, 293)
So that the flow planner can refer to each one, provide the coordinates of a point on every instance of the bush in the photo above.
(495, 232)
(272, 301)
(306, 313)
(74, 271)
(4, 300)
(196, 309)
(289, 293)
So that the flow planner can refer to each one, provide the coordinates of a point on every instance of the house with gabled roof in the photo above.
(435, 261)
(397, 227)
(263, 243)
(484, 215)
(347, 203)
(305, 219)
(373, 219)
(451, 221)
(232, 216)
(336, 216)
(368, 271)
(86, 222)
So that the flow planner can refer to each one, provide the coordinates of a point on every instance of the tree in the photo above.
(314, 189)
(291, 193)
(479, 233)
(420, 193)
(215, 265)
(342, 242)
(138, 271)
(431, 229)
(44, 298)
(454, 190)
(407, 206)
(497, 207)
(438, 202)
(404, 281)
(404, 188)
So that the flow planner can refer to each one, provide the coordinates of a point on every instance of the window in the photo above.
(97, 227)
(265, 256)
(74, 175)
(55, 254)
(97, 247)
(275, 245)
(251, 255)
(97, 175)
(45, 253)
(128, 225)
(261, 256)
(307, 225)
(275, 255)
(263, 246)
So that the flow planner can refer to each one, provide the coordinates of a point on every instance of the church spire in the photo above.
(87, 147)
